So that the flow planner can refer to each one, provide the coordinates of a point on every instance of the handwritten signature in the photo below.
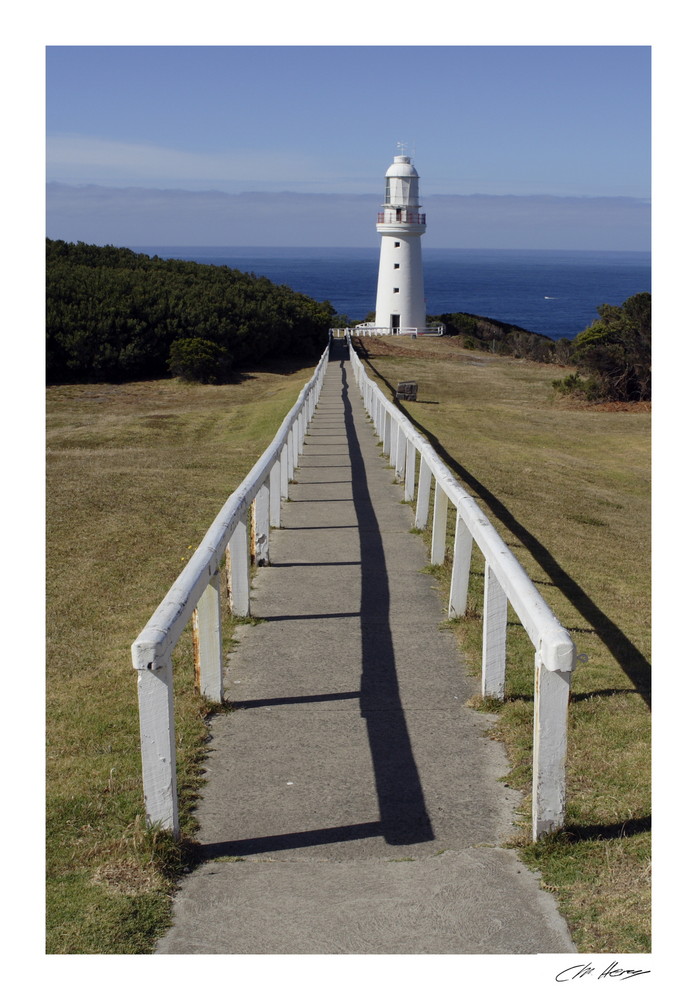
(613, 971)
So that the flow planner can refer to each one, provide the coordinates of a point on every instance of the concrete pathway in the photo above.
(352, 803)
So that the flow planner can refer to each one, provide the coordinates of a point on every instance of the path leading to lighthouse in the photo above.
(353, 804)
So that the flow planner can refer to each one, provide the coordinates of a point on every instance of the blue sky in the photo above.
(482, 120)
(565, 130)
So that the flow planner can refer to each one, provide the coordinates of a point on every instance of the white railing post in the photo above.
(238, 566)
(386, 431)
(440, 523)
(549, 748)
(208, 641)
(401, 454)
(284, 471)
(494, 643)
(410, 473)
(262, 525)
(275, 498)
(295, 435)
(394, 440)
(459, 581)
(423, 497)
(157, 742)
(302, 421)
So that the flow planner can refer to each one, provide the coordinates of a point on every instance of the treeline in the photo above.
(481, 333)
(113, 315)
(612, 356)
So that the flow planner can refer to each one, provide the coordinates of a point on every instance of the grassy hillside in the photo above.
(567, 486)
(136, 473)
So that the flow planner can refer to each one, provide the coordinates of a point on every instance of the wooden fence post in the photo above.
(262, 525)
(275, 497)
(459, 581)
(410, 473)
(423, 497)
(549, 748)
(302, 428)
(284, 472)
(401, 455)
(373, 406)
(208, 641)
(394, 440)
(292, 451)
(440, 523)
(157, 742)
(239, 569)
(494, 644)
(386, 432)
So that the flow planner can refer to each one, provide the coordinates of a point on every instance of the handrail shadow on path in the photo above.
(402, 808)
(403, 815)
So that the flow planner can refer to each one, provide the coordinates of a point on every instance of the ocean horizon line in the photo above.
(375, 248)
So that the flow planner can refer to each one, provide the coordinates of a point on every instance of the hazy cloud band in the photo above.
(138, 216)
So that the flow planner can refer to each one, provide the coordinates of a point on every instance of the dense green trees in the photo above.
(115, 315)
(614, 353)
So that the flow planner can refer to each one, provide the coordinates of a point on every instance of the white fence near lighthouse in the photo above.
(195, 596)
(505, 581)
(370, 330)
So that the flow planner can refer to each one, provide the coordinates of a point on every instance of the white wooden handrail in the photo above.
(505, 581)
(195, 595)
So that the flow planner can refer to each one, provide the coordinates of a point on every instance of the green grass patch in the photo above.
(135, 475)
(567, 487)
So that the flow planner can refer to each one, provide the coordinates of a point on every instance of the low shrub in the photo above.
(194, 359)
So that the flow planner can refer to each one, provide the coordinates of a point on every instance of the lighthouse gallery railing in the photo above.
(401, 215)
(195, 595)
(504, 580)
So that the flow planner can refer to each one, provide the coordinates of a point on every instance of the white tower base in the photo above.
(400, 296)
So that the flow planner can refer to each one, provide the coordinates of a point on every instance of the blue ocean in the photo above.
(554, 292)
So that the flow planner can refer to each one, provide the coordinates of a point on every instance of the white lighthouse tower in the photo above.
(400, 305)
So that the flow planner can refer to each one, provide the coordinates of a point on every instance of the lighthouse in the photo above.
(400, 305)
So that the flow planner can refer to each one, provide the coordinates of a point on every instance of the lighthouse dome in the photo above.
(402, 167)
(401, 184)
